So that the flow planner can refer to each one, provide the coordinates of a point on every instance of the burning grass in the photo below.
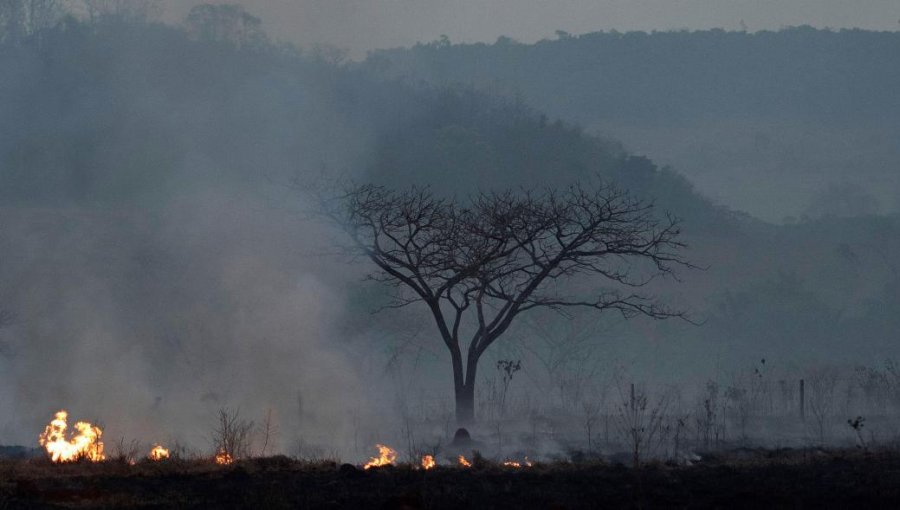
(76, 473)
(158, 453)
(223, 458)
(83, 444)
(386, 457)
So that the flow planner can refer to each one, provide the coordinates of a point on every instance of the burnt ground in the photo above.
(747, 479)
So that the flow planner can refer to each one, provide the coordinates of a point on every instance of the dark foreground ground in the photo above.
(747, 479)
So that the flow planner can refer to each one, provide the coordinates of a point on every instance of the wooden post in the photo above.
(802, 400)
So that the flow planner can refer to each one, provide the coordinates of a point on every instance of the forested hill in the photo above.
(764, 122)
(130, 113)
(847, 74)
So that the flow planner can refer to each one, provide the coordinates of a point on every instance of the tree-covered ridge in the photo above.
(125, 110)
(765, 122)
(795, 71)
(465, 140)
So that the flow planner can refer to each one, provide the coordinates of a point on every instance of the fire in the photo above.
(159, 453)
(428, 462)
(517, 464)
(463, 462)
(85, 444)
(386, 457)
(224, 458)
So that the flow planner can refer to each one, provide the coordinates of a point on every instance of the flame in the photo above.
(428, 462)
(386, 457)
(159, 453)
(463, 462)
(224, 458)
(517, 464)
(85, 444)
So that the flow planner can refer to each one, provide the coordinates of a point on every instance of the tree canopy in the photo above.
(478, 265)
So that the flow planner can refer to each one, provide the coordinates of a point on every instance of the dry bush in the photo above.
(126, 452)
(590, 415)
(268, 432)
(232, 435)
(821, 385)
(640, 419)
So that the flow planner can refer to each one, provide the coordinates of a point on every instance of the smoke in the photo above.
(149, 323)
(153, 251)
(155, 256)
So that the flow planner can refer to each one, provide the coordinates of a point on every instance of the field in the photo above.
(806, 478)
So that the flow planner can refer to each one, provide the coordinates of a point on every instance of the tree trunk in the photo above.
(465, 393)
(464, 386)
(465, 404)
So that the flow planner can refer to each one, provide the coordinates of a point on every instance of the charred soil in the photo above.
(744, 479)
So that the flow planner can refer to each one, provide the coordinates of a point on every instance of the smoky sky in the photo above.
(361, 25)
(160, 268)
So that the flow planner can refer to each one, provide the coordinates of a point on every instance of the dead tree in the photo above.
(477, 265)
(232, 435)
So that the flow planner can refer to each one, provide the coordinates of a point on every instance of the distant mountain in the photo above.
(762, 122)
(130, 115)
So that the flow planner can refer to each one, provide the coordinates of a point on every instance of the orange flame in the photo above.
(512, 463)
(158, 453)
(428, 462)
(224, 458)
(463, 462)
(386, 457)
(85, 444)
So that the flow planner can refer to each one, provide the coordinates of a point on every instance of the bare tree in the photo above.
(822, 384)
(590, 414)
(508, 369)
(479, 265)
(640, 420)
(268, 431)
(710, 429)
(232, 435)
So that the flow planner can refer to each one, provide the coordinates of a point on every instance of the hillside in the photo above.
(762, 122)
(125, 114)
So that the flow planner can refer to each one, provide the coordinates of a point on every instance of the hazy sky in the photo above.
(359, 25)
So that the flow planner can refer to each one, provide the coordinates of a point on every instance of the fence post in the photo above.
(802, 400)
